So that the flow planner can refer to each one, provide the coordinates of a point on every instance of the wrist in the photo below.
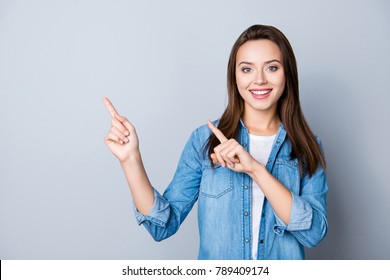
(132, 159)
(257, 171)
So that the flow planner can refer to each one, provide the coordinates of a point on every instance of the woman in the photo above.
(257, 173)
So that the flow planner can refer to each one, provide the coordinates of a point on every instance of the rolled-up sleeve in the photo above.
(159, 214)
(308, 215)
(301, 216)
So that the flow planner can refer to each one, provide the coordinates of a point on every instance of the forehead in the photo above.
(258, 51)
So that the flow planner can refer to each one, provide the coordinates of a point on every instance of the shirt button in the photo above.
(246, 240)
(246, 187)
(245, 213)
(244, 144)
(261, 241)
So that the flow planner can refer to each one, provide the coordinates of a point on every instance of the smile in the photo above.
(260, 94)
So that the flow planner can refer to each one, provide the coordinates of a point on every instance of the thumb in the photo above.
(125, 122)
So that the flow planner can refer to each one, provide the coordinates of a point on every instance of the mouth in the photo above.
(261, 93)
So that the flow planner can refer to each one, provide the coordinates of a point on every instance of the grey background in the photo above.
(163, 64)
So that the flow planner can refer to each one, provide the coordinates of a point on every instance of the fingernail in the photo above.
(126, 140)
(127, 133)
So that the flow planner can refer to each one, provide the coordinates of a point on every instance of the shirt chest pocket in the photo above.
(216, 182)
(287, 173)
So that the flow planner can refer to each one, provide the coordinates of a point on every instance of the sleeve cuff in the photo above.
(159, 214)
(301, 216)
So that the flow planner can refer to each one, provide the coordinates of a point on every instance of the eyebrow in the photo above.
(267, 62)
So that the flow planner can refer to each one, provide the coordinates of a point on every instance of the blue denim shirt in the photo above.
(224, 204)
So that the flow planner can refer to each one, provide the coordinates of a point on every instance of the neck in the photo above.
(262, 123)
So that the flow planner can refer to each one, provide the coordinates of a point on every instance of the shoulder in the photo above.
(283, 137)
(203, 132)
(282, 131)
(197, 142)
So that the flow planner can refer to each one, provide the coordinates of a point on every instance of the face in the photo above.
(260, 75)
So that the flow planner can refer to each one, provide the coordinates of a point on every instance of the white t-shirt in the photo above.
(260, 149)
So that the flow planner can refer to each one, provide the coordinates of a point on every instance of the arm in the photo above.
(170, 209)
(123, 142)
(303, 214)
(308, 217)
(277, 194)
(139, 184)
(161, 215)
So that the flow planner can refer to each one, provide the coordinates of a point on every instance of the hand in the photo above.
(231, 154)
(122, 138)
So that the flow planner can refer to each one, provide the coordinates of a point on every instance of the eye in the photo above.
(272, 68)
(246, 69)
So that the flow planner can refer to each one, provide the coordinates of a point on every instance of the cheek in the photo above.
(238, 81)
(241, 91)
(243, 81)
(280, 92)
(278, 81)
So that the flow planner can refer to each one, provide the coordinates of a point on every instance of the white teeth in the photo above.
(260, 92)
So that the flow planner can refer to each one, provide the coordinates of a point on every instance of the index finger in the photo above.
(110, 107)
(217, 132)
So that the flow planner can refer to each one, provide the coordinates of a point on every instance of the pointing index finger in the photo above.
(217, 132)
(111, 109)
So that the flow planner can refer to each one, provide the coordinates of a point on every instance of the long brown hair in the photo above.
(304, 145)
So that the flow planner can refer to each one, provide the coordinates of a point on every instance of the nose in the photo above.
(260, 78)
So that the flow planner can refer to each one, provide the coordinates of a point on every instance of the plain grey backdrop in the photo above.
(163, 64)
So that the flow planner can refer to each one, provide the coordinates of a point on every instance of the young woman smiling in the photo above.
(257, 172)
